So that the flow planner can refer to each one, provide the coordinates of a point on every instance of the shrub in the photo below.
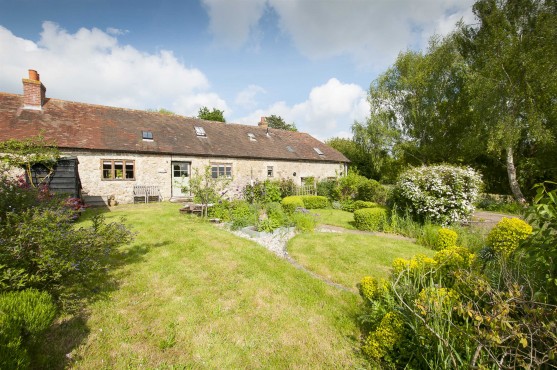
(359, 204)
(326, 188)
(373, 219)
(315, 201)
(287, 187)
(276, 213)
(303, 220)
(347, 188)
(371, 191)
(442, 193)
(242, 214)
(347, 205)
(445, 238)
(541, 248)
(24, 315)
(220, 210)
(505, 237)
(382, 340)
(291, 203)
(262, 192)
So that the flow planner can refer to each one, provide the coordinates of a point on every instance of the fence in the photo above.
(306, 190)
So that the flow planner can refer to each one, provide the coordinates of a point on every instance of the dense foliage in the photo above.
(442, 193)
(446, 313)
(41, 246)
(211, 115)
(278, 122)
(371, 219)
(481, 96)
(24, 316)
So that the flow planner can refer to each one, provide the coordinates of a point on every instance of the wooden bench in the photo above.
(194, 208)
(146, 193)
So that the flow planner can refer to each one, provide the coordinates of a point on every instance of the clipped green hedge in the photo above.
(315, 201)
(371, 219)
(359, 204)
(291, 203)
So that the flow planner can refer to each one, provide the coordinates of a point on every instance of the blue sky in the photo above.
(309, 61)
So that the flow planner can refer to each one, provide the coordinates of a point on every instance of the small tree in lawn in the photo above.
(206, 189)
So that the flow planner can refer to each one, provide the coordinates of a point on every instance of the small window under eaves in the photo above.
(318, 151)
(147, 135)
(251, 137)
(200, 131)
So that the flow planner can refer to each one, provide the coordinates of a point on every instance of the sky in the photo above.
(309, 61)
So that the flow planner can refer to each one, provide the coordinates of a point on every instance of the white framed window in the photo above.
(221, 170)
(270, 171)
(117, 169)
(200, 131)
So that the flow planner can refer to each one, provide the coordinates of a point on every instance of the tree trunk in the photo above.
(511, 171)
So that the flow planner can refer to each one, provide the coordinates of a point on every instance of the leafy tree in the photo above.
(359, 160)
(482, 96)
(205, 188)
(512, 53)
(213, 115)
(162, 111)
(279, 123)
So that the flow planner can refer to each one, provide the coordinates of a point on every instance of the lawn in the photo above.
(345, 258)
(188, 294)
(335, 217)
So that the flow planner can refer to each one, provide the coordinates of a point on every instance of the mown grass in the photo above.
(190, 295)
(335, 217)
(345, 258)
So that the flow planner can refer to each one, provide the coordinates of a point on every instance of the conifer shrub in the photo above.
(506, 236)
(371, 219)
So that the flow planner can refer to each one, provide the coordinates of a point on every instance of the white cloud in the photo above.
(247, 97)
(232, 21)
(329, 111)
(91, 66)
(372, 32)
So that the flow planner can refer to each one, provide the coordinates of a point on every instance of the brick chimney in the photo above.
(33, 91)
(263, 122)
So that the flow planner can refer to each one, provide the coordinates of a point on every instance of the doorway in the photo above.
(180, 178)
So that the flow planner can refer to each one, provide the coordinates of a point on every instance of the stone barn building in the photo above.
(119, 149)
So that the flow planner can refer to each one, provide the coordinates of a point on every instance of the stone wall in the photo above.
(156, 170)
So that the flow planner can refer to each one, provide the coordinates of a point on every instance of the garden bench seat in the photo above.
(146, 193)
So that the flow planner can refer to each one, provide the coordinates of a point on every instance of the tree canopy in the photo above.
(211, 115)
(279, 123)
(484, 96)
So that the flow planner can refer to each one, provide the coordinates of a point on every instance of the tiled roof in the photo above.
(85, 126)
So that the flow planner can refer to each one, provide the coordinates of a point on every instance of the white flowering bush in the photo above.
(442, 193)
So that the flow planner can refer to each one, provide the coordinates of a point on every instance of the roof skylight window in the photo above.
(251, 136)
(147, 135)
(318, 151)
(289, 148)
(200, 131)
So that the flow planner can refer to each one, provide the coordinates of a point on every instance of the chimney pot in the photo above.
(263, 122)
(33, 92)
(33, 75)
